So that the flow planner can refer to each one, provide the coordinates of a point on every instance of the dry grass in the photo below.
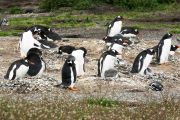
(89, 108)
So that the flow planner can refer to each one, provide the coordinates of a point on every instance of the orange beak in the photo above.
(178, 46)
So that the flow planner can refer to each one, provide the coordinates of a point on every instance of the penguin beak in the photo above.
(178, 46)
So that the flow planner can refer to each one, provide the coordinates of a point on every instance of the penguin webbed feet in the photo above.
(72, 89)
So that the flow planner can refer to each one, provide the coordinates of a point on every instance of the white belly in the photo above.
(109, 63)
(72, 77)
(42, 69)
(115, 29)
(165, 51)
(21, 71)
(146, 63)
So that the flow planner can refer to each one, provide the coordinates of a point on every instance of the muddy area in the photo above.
(128, 87)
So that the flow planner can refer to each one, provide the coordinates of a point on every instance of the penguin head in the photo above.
(70, 60)
(167, 36)
(150, 51)
(113, 52)
(118, 18)
(35, 51)
(174, 47)
(136, 31)
(85, 51)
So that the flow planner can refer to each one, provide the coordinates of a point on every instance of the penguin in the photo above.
(79, 55)
(129, 32)
(107, 61)
(66, 49)
(4, 22)
(163, 49)
(45, 33)
(27, 42)
(69, 74)
(17, 69)
(142, 61)
(36, 65)
(115, 26)
(115, 39)
(173, 49)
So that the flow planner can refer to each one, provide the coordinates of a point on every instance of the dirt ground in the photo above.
(127, 87)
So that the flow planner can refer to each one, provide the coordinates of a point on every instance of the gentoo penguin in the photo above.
(129, 32)
(36, 65)
(17, 69)
(79, 55)
(69, 73)
(107, 61)
(173, 49)
(66, 49)
(4, 22)
(163, 49)
(27, 42)
(45, 33)
(142, 61)
(115, 26)
(115, 39)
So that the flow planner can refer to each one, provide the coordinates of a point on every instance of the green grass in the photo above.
(78, 18)
(87, 109)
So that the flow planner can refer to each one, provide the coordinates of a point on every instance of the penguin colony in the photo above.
(117, 38)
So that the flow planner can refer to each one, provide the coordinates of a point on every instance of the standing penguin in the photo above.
(114, 27)
(163, 49)
(79, 55)
(69, 73)
(18, 69)
(142, 62)
(106, 62)
(36, 65)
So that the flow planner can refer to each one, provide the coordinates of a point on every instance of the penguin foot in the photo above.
(73, 89)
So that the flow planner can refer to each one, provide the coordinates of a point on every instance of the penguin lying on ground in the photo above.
(106, 62)
(69, 74)
(142, 61)
(79, 55)
(66, 49)
(116, 39)
(30, 65)
(130, 33)
(163, 49)
(37, 66)
(45, 33)
(114, 27)
(18, 69)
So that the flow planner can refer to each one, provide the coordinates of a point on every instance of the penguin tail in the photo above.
(5, 77)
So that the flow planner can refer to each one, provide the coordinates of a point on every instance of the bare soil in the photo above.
(127, 87)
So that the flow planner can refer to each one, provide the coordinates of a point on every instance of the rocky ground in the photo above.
(127, 87)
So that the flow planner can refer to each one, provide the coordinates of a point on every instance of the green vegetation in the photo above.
(141, 5)
(15, 10)
(87, 109)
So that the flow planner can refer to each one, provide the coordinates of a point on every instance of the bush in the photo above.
(86, 4)
(15, 10)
